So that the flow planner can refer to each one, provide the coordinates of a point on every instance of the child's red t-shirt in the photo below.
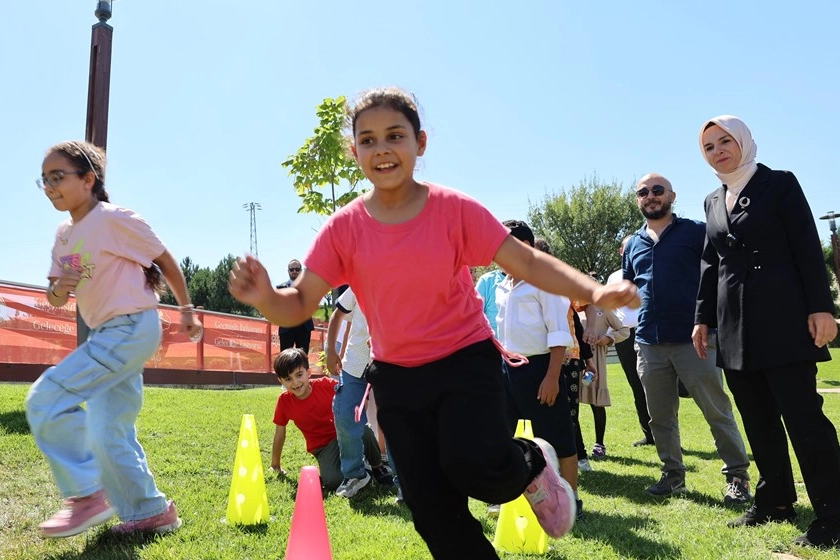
(313, 415)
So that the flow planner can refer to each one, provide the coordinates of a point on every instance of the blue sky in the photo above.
(208, 98)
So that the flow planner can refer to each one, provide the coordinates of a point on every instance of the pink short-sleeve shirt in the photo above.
(412, 279)
(110, 246)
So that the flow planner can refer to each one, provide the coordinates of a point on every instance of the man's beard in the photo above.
(664, 210)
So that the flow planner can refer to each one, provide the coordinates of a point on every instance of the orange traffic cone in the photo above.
(308, 537)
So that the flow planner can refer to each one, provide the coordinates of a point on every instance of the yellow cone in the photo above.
(518, 529)
(524, 430)
(248, 501)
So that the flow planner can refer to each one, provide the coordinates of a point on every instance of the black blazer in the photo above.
(762, 274)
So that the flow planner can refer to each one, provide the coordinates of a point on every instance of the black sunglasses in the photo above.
(294, 270)
(657, 190)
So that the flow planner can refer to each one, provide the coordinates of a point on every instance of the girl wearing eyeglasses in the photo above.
(114, 263)
(764, 285)
(436, 371)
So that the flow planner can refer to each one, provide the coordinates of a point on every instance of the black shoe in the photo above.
(579, 511)
(823, 533)
(672, 482)
(383, 475)
(644, 441)
(756, 515)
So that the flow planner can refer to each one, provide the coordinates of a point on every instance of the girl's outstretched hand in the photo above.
(249, 281)
(613, 296)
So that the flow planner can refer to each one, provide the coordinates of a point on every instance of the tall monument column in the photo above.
(99, 87)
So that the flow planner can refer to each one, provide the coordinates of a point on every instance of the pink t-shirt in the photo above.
(110, 245)
(412, 279)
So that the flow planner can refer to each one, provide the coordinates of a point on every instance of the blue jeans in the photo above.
(348, 395)
(96, 447)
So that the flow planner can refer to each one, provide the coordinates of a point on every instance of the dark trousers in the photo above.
(571, 380)
(551, 423)
(627, 357)
(447, 429)
(786, 397)
(296, 337)
(599, 417)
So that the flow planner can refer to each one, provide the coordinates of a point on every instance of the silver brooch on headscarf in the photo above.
(743, 202)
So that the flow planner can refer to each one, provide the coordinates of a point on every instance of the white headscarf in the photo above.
(735, 127)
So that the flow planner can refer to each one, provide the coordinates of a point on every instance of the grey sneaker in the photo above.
(349, 487)
(584, 465)
(672, 482)
(737, 492)
(493, 510)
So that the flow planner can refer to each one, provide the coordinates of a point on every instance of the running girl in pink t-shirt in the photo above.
(113, 261)
(405, 247)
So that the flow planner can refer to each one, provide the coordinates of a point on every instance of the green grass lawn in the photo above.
(191, 435)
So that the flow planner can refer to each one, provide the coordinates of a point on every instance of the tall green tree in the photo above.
(200, 286)
(586, 224)
(325, 160)
(189, 269)
(208, 288)
(219, 295)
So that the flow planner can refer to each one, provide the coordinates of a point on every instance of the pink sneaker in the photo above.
(78, 515)
(550, 496)
(165, 522)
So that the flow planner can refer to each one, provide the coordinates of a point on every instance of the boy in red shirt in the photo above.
(309, 403)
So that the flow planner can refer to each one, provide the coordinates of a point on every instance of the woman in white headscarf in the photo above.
(764, 286)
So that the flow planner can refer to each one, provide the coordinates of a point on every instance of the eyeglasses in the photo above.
(294, 270)
(55, 177)
(657, 190)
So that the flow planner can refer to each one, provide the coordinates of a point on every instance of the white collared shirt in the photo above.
(531, 321)
(357, 353)
(629, 317)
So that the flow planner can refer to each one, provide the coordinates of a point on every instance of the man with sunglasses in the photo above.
(301, 335)
(663, 260)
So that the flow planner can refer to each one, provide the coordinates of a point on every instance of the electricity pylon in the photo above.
(252, 207)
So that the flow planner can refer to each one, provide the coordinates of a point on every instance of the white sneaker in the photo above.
(493, 510)
(349, 487)
(583, 465)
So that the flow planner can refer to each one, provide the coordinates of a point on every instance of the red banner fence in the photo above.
(234, 350)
